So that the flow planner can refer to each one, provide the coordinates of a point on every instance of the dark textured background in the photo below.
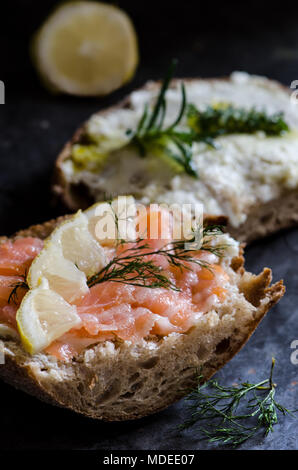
(208, 39)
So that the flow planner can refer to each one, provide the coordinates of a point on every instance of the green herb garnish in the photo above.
(217, 406)
(133, 267)
(150, 134)
(192, 125)
(13, 296)
(222, 120)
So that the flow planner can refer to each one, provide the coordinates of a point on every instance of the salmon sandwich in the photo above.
(231, 144)
(113, 321)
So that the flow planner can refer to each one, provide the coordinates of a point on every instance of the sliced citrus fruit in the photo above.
(63, 275)
(86, 48)
(43, 317)
(69, 254)
(78, 245)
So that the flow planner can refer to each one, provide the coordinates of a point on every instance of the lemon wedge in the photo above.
(78, 245)
(69, 255)
(63, 276)
(86, 48)
(43, 317)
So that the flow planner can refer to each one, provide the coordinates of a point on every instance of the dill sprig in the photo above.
(13, 296)
(217, 406)
(133, 271)
(133, 267)
(228, 119)
(170, 141)
(191, 125)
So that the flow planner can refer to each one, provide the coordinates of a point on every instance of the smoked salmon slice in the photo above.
(15, 260)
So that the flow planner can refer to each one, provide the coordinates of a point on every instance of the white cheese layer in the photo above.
(244, 171)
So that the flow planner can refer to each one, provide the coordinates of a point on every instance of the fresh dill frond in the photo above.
(135, 272)
(214, 407)
(191, 125)
(133, 267)
(13, 296)
(228, 119)
(151, 135)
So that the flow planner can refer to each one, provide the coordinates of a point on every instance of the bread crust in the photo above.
(263, 220)
(156, 372)
(268, 218)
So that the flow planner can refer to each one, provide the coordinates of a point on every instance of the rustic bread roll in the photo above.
(252, 179)
(118, 380)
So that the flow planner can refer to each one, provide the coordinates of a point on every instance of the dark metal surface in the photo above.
(34, 125)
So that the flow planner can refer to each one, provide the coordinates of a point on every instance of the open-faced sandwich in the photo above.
(118, 327)
(231, 144)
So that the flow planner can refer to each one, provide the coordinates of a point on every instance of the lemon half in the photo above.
(86, 48)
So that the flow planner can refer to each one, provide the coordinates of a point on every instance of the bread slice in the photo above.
(118, 380)
(252, 179)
